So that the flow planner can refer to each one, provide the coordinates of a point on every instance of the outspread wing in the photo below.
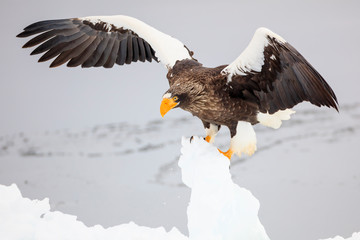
(102, 41)
(274, 74)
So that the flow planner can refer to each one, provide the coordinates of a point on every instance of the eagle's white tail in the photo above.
(274, 120)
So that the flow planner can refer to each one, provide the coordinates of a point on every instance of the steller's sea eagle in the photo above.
(261, 86)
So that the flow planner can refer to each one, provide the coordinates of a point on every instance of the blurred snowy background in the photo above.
(93, 140)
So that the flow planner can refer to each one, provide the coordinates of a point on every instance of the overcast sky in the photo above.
(36, 98)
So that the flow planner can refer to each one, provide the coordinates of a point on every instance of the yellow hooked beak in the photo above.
(166, 105)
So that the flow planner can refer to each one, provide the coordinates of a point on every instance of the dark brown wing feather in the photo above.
(80, 42)
(286, 79)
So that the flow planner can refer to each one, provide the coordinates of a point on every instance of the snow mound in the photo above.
(218, 208)
(25, 219)
(355, 236)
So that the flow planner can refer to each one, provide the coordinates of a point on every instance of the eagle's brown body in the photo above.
(206, 95)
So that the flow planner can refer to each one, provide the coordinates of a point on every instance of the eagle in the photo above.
(261, 86)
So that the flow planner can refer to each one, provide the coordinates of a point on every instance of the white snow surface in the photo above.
(218, 208)
(22, 218)
(355, 236)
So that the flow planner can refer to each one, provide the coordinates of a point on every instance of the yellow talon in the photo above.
(227, 154)
(208, 139)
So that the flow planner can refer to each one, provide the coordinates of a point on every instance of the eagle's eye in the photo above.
(175, 98)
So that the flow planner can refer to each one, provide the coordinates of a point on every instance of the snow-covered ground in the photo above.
(22, 218)
(116, 173)
(354, 236)
(218, 208)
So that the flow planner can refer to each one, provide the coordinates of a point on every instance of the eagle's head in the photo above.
(184, 95)
(172, 100)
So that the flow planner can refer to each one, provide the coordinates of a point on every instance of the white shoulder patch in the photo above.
(167, 49)
(252, 58)
(274, 120)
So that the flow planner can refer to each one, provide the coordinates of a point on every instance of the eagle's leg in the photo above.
(211, 130)
(243, 139)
